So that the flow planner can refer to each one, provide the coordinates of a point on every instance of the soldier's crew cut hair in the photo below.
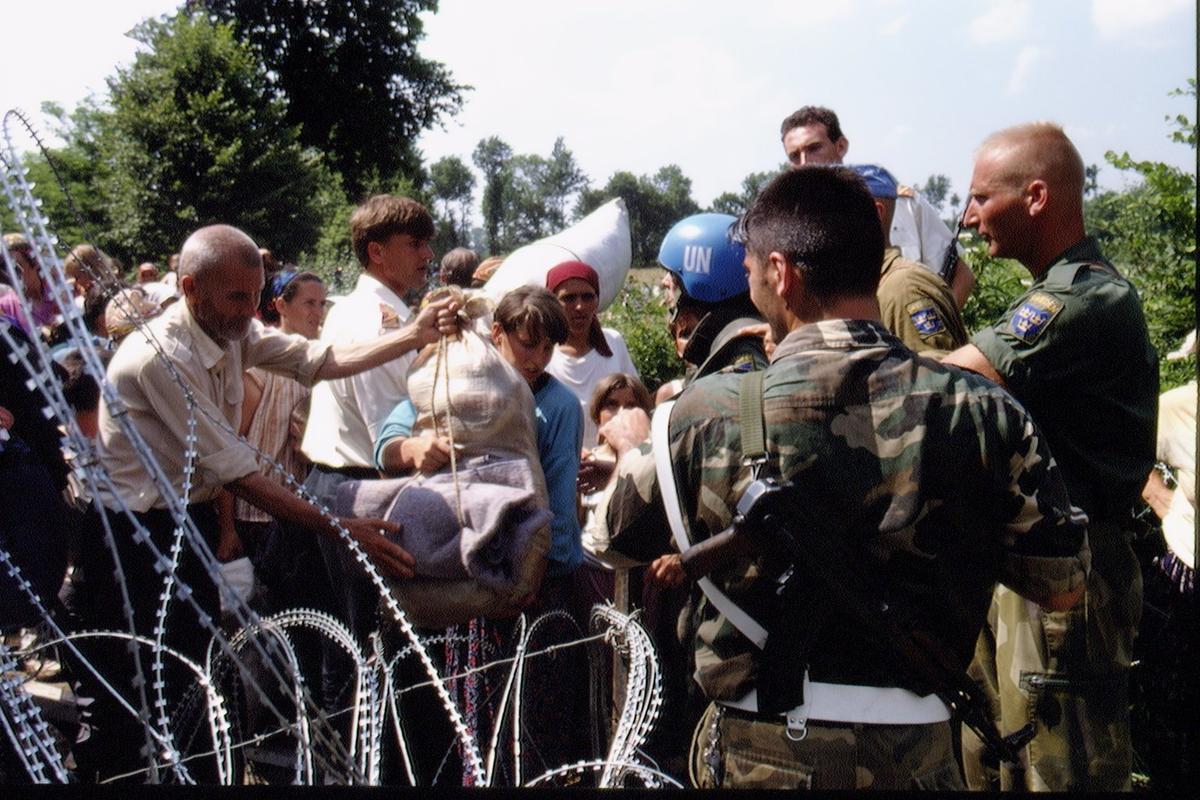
(823, 220)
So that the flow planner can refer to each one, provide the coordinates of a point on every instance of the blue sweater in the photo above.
(559, 439)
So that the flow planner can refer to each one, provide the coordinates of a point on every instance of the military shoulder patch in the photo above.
(925, 318)
(1033, 316)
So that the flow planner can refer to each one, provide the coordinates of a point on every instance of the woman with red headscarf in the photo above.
(591, 353)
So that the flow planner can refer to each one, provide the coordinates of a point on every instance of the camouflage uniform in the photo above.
(917, 306)
(1075, 351)
(908, 455)
(715, 345)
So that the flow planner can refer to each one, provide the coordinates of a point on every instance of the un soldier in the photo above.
(914, 303)
(936, 482)
(1074, 350)
(713, 322)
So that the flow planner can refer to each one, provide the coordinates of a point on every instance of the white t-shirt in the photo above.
(346, 414)
(581, 374)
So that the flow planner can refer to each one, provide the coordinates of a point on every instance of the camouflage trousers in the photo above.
(1067, 671)
(733, 749)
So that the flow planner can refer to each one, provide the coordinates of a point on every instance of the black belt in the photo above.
(357, 473)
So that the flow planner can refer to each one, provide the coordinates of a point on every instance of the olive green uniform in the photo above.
(917, 306)
(1075, 351)
(902, 456)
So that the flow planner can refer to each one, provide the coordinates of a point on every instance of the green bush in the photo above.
(639, 314)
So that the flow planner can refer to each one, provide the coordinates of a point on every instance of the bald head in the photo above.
(1037, 151)
(215, 246)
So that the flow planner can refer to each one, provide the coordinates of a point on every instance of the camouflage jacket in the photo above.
(939, 479)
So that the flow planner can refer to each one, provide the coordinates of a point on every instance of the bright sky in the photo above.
(637, 84)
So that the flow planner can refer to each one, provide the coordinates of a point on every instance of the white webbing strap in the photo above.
(869, 705)
(660, 440)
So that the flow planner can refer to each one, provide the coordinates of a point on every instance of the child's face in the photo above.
(615, 401)
(527, 355)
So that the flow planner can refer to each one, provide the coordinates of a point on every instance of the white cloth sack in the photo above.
(600, 240)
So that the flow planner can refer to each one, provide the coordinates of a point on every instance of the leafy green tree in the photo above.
(641, 317)
(492, 157)
(655, 203)
(196, 138)
(936, 190)
(452, 186)
(525, 196)
(561, 180)
(65, 177)
(736, 203)
(351, 76)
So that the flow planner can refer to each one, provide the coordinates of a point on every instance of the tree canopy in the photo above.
(198, 138)
(655, 203)
(351, 76)
(525, 196)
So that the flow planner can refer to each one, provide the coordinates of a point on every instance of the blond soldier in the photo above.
(1075, 351)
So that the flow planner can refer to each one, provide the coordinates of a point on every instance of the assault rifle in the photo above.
(768, 520)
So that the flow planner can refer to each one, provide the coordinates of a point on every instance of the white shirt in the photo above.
(346, 414)
(919, 232)
(157, 291)
(581, 374)
(159, 409)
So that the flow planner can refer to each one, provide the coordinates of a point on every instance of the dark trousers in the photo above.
(354, 598)
(116, 739)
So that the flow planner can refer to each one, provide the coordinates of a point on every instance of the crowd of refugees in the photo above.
(980, 486)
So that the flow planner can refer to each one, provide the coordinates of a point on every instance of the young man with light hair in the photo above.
(1074, 349)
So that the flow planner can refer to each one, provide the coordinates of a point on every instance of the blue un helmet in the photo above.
(701, 252)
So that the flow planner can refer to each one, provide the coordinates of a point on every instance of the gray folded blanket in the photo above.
(501, 516)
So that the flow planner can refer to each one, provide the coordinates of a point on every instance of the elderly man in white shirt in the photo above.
(179, 381)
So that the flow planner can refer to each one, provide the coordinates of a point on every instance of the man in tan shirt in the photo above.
(179, 383)
(916, 305)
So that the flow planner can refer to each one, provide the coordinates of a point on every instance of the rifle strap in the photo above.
(750, 407)
(660, 440)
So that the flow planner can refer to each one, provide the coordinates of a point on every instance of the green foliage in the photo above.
(197, 138)
(655, 203)
(1149, 231)
(351, 77)
(492, 156)
(525, 197)
(64, 177)
(1185, 129)
(641, 317)
(736, 203)
(998, 281)
(452, 186)
(936, 190)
